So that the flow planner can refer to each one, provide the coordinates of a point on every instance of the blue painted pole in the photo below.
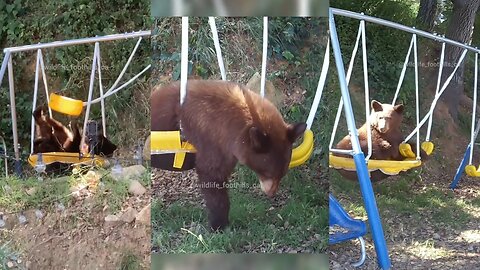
(461, 168)
(359, 158)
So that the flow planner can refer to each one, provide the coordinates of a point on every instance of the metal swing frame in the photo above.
(7, 65)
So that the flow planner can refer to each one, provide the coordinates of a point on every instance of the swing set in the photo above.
(176, 151)
(412, 159)
(364, 165)
(67, 105)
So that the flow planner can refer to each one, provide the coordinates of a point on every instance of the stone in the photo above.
(129, 215)
(10, 264)
(143, 217)
(112, 219)
(136, 188)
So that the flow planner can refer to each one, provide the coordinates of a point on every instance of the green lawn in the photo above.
(299, 222)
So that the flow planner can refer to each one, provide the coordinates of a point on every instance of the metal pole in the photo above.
(63, 43)
(34, 103)
(359, 158)
(4, 65)
(13, 111)
(412, 30)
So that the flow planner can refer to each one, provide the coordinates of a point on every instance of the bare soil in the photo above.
(79, 238)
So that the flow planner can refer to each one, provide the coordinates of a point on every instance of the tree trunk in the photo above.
(460, 28)
(427, 14)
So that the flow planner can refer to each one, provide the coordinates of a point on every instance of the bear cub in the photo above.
(227, 123)
(385, 122)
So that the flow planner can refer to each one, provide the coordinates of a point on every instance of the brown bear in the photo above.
(227, 123)
(385, 121)
(52, 135)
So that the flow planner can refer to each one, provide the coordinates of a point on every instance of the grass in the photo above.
(48, 192)
(130, 261)
(398, 199)
(255, 224)
(7, 253)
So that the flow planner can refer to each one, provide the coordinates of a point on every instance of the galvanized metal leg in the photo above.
(359, 158)
(18, 165)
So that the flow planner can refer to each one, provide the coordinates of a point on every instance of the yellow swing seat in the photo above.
(171, 153)
(389, 167)
(65, 105)
(302, 152)
(472, 171)
(67, 158)
(175, 152)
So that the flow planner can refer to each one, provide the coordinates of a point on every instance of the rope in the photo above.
(474, 108)
(264, 56)
(437, 97)
(184, 60)
(349, 74)
(44, 78)
(367, 91)
(320, 87)
(417, 100)
(112, 89)
(34, 103)
(102, 101)
(216, 42)
(430, 120)
(404, 69)
(90, 94)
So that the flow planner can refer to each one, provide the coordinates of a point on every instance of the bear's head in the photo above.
(385, 117)
(268, 152)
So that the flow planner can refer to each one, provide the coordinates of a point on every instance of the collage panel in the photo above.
(75, 113)
(405, 195)
(235, 171)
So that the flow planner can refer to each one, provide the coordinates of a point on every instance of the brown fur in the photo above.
(385, 138)
(226, 123)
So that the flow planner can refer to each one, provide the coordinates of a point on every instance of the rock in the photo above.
(143, 217)
(136, 188)
(111, 219)
(146, 149)
(10, 264)
(129, 215)
(436, 236)
(31, 191)
(130, 173)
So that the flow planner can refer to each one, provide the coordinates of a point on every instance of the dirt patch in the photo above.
(79, 238)
(415, 244)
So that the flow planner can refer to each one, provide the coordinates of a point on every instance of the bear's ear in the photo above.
(258, 139)
(399, 108)
(377, 106)
(294, 131)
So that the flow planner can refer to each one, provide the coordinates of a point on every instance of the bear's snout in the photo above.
(269, 186)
